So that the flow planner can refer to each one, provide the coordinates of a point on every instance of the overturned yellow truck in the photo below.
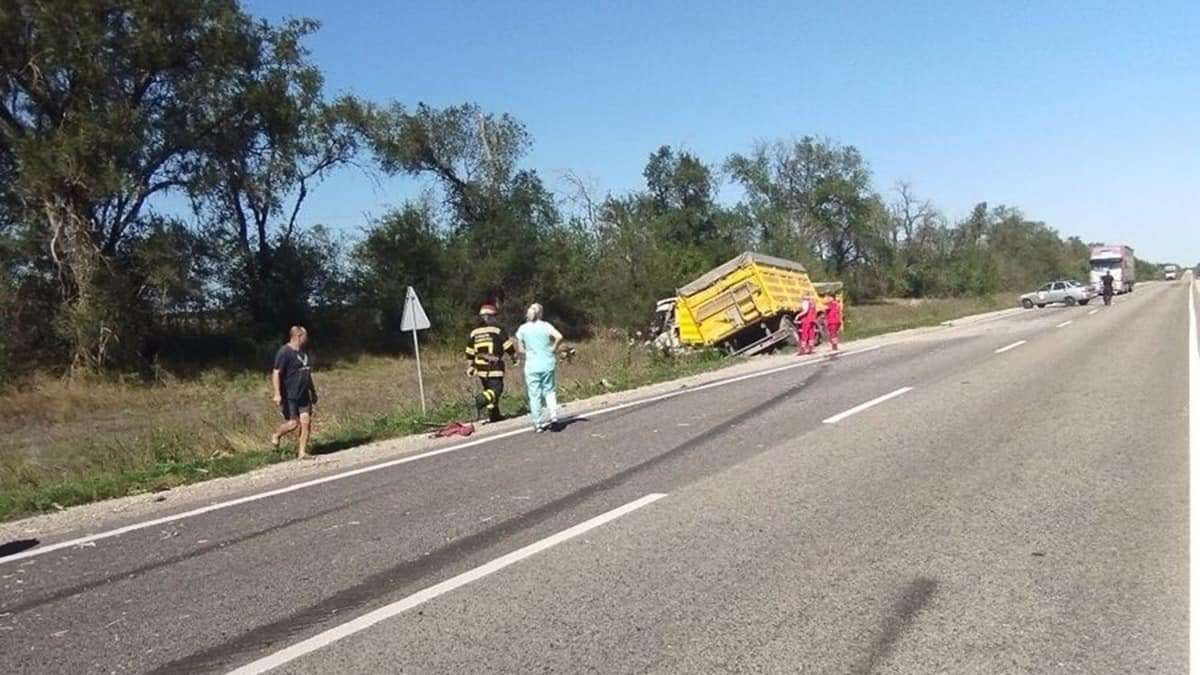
(745, 306)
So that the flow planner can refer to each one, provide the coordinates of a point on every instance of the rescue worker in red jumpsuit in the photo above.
(833, 319)
(808, 325)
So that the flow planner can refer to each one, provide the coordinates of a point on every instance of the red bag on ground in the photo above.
(454, 429)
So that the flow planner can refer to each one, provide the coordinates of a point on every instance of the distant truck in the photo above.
(1116, 259)
(1170, 272)
(745, 306)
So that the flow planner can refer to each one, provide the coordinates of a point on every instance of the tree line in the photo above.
(156, 159)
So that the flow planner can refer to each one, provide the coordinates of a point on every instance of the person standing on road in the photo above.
(833, 319)
(1106, 283)
(537, 342)
(486, 347)
(294, 391)
(808, 325)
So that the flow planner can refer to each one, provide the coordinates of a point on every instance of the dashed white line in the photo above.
(1094, 311)
(1014, 345)
(386, 612)
(1064, 324)
(80, 541)
(869, 404)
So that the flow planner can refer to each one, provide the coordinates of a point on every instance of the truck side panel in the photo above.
(724, 308)
(785, 287)
(745, 297)
(689, 328)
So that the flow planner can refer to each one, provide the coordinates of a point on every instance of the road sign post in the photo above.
(414, 319)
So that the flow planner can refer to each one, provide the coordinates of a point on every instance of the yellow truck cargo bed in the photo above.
(745, 302)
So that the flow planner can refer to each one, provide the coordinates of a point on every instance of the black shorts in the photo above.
(291, 408)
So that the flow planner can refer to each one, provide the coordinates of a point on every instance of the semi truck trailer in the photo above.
(1114, 259)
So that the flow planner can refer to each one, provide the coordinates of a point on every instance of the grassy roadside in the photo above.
(151, 448)
(896, 315)
(68, 445)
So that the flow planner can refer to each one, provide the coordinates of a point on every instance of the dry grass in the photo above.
(67, 444)
(72, 443)
(886, 316)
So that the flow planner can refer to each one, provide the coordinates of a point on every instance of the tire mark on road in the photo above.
(92, 585)
(405, 576)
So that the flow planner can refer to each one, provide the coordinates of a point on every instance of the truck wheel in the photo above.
(1041, 305)
(1070, 301)
(786, 323)
(1027, 303)
(1084, 302)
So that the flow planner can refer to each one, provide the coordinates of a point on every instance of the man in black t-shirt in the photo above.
(1106, 287)
(295, 394)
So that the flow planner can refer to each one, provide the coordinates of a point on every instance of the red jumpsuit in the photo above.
(833, 321)
(808, 329)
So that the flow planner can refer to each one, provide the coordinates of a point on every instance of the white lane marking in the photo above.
(869, 404)
(1193, 473)
(1094, 311)
(369, 619)
(1014, 345)
(49, 548)
(1064, 324)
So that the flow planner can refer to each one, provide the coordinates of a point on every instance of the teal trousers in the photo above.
(542, 397)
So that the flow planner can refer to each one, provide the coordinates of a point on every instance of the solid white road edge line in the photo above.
(49, 548)
(1064, 324)
(1014, 345)
(869, 404)
(1193, 475)
(369, 619)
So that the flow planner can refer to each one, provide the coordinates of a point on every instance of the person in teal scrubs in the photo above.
(537, 342)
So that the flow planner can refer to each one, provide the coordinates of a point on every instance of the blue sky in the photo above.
(1084, 115)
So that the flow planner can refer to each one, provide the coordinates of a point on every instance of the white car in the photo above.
(1069, 293)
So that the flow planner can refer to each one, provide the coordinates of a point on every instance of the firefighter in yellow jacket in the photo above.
(486, 348)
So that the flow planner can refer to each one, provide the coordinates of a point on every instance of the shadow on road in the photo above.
(17, 546)
(563, 424)
(913, 598)
(330, 447)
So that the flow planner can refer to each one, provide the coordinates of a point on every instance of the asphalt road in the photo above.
(1002, 510)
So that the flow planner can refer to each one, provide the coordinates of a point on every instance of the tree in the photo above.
(259, 169)
(472, 154)
(499, 216)
(915, 227)
(1144, 270)
(104, 105)
(650, 242)
(403, 248)
(814, 197)
(909, 214)
(682, 191)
